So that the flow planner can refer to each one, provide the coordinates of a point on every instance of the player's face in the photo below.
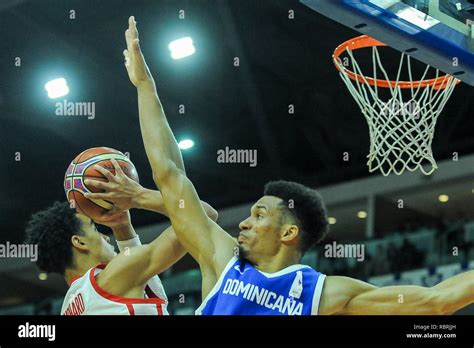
(98, 243)
(260, 235)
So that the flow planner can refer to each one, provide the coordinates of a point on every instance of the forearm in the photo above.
(162, 150)
(160, 144)
(188, 217)
(456, 292)
(445, 298)
(396, 300)
(152, 200)
(167, 250)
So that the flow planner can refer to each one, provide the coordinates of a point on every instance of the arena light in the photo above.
(181, 48)
(43, 276)
(186, 144)
(57, 88)
(361, 214)
(332, 220)
(443, 198)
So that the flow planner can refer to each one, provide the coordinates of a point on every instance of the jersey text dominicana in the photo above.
(244, 290)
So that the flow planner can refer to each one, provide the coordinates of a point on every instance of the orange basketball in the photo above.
(81, 168)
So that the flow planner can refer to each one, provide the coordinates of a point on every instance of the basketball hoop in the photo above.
(402, 125)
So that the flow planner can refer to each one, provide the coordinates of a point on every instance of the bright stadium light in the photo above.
(332, 220)
(186, 144)
(361, 214)
(443, 198)
(181, 48)
(57, 88)
(43, 276)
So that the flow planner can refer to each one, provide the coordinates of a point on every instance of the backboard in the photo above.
(437, 32)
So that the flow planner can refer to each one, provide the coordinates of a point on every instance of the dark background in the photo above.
(282, 62)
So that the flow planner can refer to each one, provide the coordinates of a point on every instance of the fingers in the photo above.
(132, 27)
(127, 58)
(138, 59)
(104, 172)
(96, 183)
(134, 59)
(133, 45)
(136, 46)
(114, 211)
(98, 195)
(127, 61)
(118, 169)
(132, 33)
(128, 39)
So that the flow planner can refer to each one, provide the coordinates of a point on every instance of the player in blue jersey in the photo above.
(260, 273)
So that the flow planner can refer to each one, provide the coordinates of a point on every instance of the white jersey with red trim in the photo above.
(86, 297)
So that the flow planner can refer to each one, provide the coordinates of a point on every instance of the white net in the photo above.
(401, 122)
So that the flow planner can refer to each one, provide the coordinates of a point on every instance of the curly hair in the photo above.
(51, 229)
(307, 210)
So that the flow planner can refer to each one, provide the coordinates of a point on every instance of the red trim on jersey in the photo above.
(131, 310)
(159, 309)
(120, 299)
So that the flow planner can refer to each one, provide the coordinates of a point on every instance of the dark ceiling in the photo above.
(282, 61)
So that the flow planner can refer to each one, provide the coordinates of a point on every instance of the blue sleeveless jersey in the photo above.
(244, 290)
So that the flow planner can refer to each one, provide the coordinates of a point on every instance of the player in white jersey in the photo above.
(85, 289)
(102, 282)
(282, 225)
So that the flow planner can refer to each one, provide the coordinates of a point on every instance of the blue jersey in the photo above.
(244, 290)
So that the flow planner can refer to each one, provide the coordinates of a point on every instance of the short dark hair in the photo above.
(308, 212)
(51, 229)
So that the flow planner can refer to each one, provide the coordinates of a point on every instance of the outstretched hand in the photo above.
(119, 189)
(137, 69)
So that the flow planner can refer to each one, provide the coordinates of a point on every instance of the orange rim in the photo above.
(365, 41)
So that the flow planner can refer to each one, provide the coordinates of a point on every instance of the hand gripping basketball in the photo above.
(120, 189)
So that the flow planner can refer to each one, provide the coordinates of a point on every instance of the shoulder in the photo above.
(119, 275)
(308, 271)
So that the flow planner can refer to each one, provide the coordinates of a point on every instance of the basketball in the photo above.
(82, 168)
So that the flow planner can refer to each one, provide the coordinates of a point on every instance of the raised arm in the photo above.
(202, 238)
(343, 295)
